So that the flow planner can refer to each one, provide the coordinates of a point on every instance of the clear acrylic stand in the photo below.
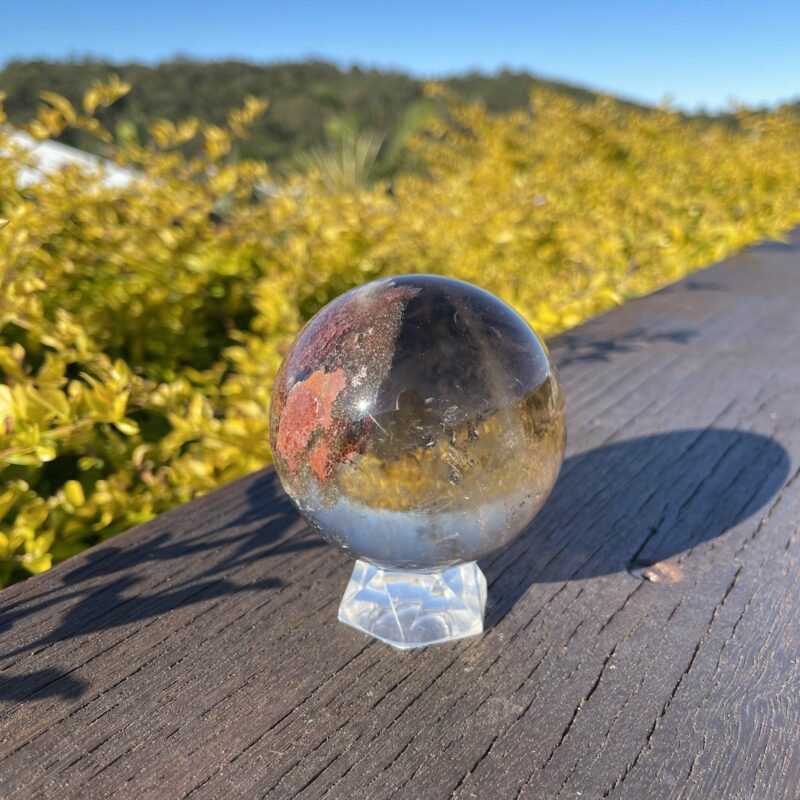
(410, 608)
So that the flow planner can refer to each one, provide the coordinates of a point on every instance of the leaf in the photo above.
(60, 103)
(127, 426)
(7, 499)
(22, 459)
(73, 491)
(38, 564)
(45, 452)
(91, 99)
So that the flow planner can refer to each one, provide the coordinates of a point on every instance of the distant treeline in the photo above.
(307, 100)
(311, 102)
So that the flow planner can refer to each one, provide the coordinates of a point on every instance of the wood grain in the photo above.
(644, 635)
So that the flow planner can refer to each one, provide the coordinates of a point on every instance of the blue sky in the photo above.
(700, 52)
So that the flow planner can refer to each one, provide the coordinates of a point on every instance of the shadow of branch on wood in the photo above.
(113, 587)
(629, 505)
(41, 683)
(581, 347)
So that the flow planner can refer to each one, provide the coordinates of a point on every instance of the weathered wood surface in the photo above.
(644, 636)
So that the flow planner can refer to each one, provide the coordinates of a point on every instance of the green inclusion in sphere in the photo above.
(417, 422)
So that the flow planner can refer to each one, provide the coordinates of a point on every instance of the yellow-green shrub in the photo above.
(141, 327)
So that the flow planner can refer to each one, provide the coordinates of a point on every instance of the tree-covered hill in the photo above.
(306, 98)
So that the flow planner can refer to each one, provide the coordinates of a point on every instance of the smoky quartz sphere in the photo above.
(417, 422)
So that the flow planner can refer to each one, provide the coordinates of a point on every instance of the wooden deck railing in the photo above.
(643, 638)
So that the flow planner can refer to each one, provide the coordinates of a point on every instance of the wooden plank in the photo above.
(643, 635)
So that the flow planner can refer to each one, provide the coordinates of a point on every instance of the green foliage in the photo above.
(141, 326)
(346, 162)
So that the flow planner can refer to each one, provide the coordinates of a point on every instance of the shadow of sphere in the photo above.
(630, 504)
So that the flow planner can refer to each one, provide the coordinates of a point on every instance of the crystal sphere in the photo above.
(417, 422)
